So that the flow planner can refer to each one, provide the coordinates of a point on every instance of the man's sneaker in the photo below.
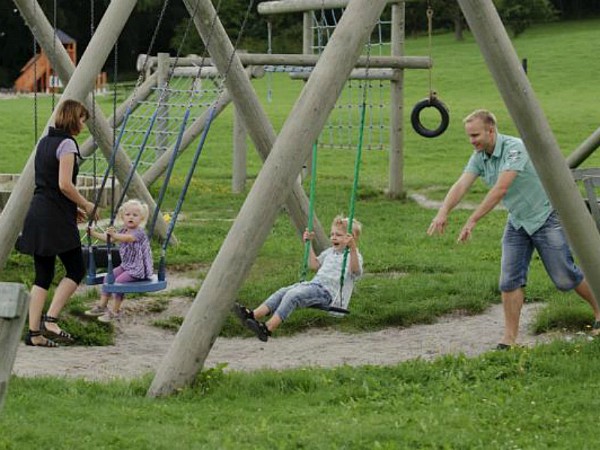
(96, 311)
(110, 316)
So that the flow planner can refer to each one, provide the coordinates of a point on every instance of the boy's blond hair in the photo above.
(342, 221)
(137, 204)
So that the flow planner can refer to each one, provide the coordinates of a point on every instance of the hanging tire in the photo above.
(415, 117)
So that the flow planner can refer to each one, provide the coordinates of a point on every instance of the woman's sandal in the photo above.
(63, 335)
(45, 343)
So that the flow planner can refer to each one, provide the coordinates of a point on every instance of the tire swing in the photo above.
(432, 101)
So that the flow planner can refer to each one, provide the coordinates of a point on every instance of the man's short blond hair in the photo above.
(487, 117)
(341, 221)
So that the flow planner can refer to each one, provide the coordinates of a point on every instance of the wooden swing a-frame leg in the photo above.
(273, 185)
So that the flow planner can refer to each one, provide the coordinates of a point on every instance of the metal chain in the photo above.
(429, 34)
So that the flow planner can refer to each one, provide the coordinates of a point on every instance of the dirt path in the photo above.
(140, 346)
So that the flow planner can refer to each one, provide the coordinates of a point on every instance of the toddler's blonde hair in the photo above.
(342, 221)
(136, 204)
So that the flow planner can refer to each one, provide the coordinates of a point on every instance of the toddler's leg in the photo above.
(102, 306)
(122, 277)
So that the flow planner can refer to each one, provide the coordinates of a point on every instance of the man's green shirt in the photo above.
(526, 201)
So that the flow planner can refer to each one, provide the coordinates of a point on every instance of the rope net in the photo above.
(172, 102)
(342, 127)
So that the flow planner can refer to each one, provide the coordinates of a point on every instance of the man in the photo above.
(504, 165)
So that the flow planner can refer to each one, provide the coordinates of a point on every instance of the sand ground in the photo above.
(140, 346)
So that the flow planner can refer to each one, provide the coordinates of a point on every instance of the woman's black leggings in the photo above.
(72, 260)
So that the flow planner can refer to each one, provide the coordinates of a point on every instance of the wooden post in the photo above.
(289, 6)
(533, 126)
(272, 187)
(298, 59)
(396, 150)
(308, 40)
(162, 118)
(14, 300)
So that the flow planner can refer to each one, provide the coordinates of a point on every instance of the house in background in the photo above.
(37, 74)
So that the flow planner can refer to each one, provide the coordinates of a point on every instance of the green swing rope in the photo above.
(353, 194)
(311, 211)
(357, 162)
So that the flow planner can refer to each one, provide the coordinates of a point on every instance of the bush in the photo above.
(518, 15)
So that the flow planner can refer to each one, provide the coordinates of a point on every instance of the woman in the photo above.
(50, 228)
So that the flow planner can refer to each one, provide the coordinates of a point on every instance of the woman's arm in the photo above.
(66, 186)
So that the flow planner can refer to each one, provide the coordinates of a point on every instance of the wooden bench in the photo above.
(591, 181)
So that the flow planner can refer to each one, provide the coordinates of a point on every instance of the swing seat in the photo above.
(100, 253)
(333, 310)
(95, 279)
(152, 284)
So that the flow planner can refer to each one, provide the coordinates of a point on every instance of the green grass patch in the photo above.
(538, 398)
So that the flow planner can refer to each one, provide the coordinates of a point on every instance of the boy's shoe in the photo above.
(96, 311)
(110, 316)
(259, 328)
(243, 313)
(596, 328)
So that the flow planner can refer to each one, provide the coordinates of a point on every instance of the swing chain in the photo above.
(432, 93)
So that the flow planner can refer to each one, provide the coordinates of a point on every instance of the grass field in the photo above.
(540, 398)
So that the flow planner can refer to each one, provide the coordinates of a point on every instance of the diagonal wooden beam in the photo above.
(273, 185)
(543, 149)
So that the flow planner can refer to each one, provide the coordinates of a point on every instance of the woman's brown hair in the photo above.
(68, 116)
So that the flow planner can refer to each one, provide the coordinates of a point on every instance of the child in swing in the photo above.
(135, 252)
(321, 291)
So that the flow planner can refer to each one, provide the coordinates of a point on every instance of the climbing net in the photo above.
(342, 128)
(173, 101)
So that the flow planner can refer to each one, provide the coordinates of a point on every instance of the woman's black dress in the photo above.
(50, 226)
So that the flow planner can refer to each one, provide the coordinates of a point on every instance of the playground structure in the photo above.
(340, 131)
(276, 184)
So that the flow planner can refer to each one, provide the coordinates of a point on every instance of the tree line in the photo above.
(79, 20)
